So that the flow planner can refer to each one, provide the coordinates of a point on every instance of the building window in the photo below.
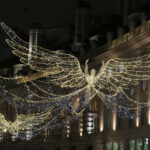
(90, 123)
(121, 145)
(132, 145)
(109, 146)
(115, 146)
(139, 144)
(73, 148)
(90, 147)
(144, 85)
(109, 118)
(146, 140)
(143, 118)
(131, 120)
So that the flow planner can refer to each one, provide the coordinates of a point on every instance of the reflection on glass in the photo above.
(139, 144)
(109, 146)
(132, 145)
(146, 144)
(115, 146)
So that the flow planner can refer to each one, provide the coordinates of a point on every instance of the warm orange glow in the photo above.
(76, 104)
(101, 117)
(5, 130)
(81, 125)
(101, 127)
(68, 131)
(81, 131)
(94, 105)
(137, 121)
(114, 121)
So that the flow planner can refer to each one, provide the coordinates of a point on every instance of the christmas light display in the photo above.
(23, 122)
(60, 87)
(114, 76)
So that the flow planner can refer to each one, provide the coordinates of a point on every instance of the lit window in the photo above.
(13, 138)
(115, 146)
(90, 123)
(109, 146)
(139, 144)
(132, 145)
(146, 144)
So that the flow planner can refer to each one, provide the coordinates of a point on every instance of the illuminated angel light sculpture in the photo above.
(110, 83)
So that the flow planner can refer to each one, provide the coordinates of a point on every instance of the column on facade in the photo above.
(137, 110)
(101, 117)
(95, 114)
(148, 98)
(114, 119)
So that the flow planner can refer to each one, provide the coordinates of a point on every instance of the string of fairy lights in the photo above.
(44, 99)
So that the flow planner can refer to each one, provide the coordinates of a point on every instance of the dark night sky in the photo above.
(22, 13)
(49, 13)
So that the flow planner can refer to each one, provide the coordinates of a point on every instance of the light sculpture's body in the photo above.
(114, 77)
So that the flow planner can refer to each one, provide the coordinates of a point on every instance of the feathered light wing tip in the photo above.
(2, 24)
(123, 73)
(41, 59)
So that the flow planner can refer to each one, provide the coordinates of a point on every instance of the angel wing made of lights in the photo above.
(114, 77)
(23, 122)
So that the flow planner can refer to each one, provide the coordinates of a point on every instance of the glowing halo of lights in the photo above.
(117, 74)
(63, 80)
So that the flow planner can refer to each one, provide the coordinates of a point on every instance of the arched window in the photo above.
(90, 147)
(73, 148)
